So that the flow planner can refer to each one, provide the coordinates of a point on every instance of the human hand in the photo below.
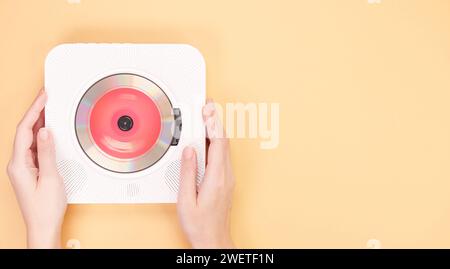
(204, 212)
(38, 186)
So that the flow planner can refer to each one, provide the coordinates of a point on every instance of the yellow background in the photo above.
(364, 131)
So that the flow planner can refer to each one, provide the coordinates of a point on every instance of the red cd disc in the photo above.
(125, 123)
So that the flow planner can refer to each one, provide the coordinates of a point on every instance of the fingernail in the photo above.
(209, 109)
(43, 134)
(188, 152)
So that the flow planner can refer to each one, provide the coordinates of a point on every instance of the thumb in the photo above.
(187, 192)
(46, 153)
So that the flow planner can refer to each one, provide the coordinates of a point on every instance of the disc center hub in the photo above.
(125, 123)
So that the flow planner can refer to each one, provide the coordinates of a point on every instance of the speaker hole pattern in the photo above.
(74, 176)
(132, 190)
(172, 175)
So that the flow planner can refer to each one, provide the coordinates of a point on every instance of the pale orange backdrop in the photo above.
(363, 88)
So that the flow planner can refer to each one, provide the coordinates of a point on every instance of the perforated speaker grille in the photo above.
(132, 190)
(74, 177)
(172, 175)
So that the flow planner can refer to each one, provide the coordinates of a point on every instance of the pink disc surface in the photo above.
(119, 143)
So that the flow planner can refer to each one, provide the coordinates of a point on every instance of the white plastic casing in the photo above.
(70, 69)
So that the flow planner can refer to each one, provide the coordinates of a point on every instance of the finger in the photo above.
(34, 112)
(31, 159)
(187, 192)
(208, 108)
(23, 175)
(38, 125)
(218, 148)
(46, 153)
(24, 134)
